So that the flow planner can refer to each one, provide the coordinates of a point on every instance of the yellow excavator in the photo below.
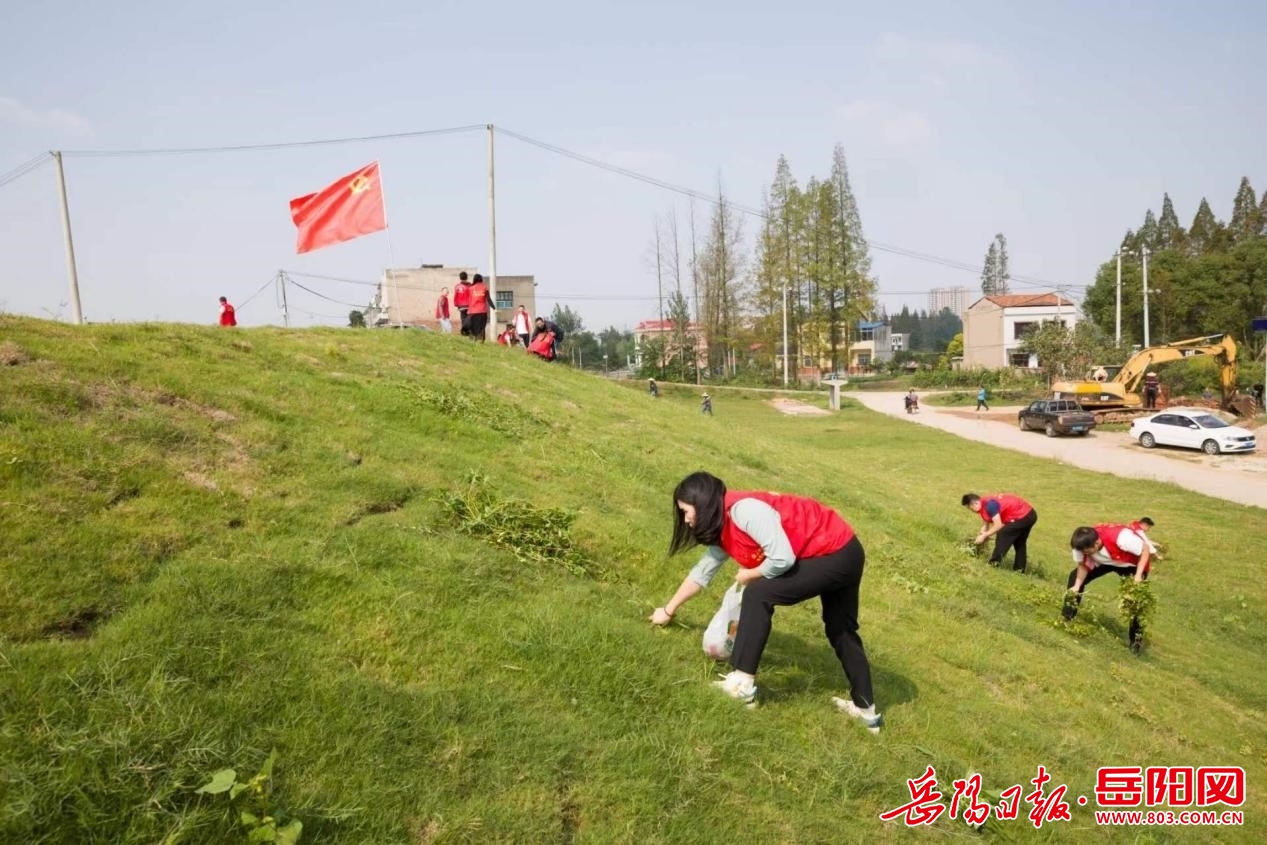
(1119, 391)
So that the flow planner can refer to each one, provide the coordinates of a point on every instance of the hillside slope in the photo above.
(219, 543)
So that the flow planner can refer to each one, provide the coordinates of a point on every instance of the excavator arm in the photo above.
(1222, 346)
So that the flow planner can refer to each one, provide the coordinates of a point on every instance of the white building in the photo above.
(995, 326)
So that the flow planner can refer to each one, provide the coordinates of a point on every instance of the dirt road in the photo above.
(1236, 478)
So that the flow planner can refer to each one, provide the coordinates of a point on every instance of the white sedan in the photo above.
(1191, 428)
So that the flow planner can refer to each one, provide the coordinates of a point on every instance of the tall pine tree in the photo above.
(721, 263)
(1170, 233)
(1149, 234)
(1206, 232)
(853, 254)
(994, 273)
(1245, 221)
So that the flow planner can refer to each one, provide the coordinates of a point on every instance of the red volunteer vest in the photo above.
(227, 315)
(1011, 508)
(813, 529)
(1108, 536)
(461, 295)
(442, 308)
(479, 299)
(542, 344)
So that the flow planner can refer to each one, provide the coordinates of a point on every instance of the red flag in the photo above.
(346, 209)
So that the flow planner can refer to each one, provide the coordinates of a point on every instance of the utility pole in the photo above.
(492, 238)
(785, 332)
(1117, 322)
(76, 309)
(1144, 252)
(281, 283)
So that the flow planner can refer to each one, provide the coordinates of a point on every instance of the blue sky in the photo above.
(1056, 125)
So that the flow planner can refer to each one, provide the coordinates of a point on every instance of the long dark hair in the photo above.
(707, 494)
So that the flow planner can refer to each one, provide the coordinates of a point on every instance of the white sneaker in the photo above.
(873, 723)
(739, 687)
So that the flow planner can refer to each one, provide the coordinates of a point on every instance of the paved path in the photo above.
(1236, 478)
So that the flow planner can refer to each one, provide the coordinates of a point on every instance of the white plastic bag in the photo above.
(719, 636)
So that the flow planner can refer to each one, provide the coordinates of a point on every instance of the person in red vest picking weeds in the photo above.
(1105, 549)
(789, 549)
(228, 317)
(1009, 519)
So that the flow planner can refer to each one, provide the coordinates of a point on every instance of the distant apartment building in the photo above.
(408, 296)
(956, 299)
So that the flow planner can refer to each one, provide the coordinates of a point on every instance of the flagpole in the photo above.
(492, 235)
(391, 252)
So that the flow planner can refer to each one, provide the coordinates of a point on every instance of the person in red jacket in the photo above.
(442, 312)
(478, 309)
(1009, 519)
(789, 549)
(228, 317)
(508, 337)
(461, 299)
(1106, 549)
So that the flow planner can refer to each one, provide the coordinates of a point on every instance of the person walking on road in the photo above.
(981, 394)
(1009, 519)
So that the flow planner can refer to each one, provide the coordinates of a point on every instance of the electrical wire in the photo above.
(949, 263)
(283, 145)
(321, 295)
(24, 168)
(1028, 281)
(263, 287)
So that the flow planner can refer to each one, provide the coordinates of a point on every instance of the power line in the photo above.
(1023, 280)
(239, 148)
(24, 168)
(1028, 281)
(323, 296)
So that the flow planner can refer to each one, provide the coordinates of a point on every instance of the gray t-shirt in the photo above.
(763, 524)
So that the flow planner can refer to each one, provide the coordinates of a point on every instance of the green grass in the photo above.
(420, 570)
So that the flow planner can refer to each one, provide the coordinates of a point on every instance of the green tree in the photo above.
(1245, 221)
(1170, 234)
(1206, 232)
(994, 272)
(851, 278)
(720, 266)
(774, 277)
(1149, 234)
(356, 319)
(1068, 353)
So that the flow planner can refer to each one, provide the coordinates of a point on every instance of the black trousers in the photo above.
(835, 579)
(1071, 609)
(1014, 535)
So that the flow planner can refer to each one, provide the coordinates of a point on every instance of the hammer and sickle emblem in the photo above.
(360, 183)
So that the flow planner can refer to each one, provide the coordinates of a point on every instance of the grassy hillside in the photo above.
(221, 543)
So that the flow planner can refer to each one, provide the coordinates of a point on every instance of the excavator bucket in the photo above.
(1243, 405)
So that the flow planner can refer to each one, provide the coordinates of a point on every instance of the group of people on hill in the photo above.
(474, 305)
(791, 548)
(540, 337)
